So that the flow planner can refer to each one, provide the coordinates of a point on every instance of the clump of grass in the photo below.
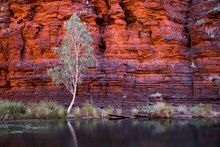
(196, 111)
(11, 110)
(163, 110)
(103, 113)
(47, 110)
(109, 109)
(118, 111)
(77, 112)
(215, 114)
(89, 110)
(202, 110)
(208, 108)
(148, 109)
(134, 111)
(181, 109)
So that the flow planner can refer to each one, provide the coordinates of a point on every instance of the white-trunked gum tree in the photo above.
(75, 57)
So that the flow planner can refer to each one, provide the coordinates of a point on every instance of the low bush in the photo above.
(208, 108)
(197, 111)
(134, 111)
(103, 113)
(148, 109)
(11, 110)
(201, 110)
(181, 109)
(163, 110)
(118, 111)
(77, 112)
(109, 109)
(89, 110)
(46, 110)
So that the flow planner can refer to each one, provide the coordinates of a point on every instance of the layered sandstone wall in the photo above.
(142, 47)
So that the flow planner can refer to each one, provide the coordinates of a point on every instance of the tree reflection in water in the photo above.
(73, 133)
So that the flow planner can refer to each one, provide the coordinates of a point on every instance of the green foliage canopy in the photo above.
(75, 54)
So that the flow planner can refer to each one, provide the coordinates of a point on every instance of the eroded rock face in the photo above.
(142, 47)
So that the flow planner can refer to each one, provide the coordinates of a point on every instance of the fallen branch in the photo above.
(115, 117)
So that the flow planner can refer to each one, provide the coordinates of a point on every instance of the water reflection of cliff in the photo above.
(129, 133)
(149, 132)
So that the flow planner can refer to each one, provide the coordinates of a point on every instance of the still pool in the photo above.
(111, 133)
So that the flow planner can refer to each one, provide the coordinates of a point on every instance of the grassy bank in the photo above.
(51, 110)
(88, 110)
(43, 110)
(164, 110)
(11, 110)
(156, 110)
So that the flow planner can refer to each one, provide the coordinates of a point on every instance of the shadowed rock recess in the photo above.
(144, 48)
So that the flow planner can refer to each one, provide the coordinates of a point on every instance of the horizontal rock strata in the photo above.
(144, 48)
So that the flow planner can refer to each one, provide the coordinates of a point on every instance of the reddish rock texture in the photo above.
(142, 47)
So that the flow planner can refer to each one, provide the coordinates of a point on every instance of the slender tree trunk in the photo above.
(75, 81)
(73, 99)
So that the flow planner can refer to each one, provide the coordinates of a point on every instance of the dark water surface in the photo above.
(107, 133)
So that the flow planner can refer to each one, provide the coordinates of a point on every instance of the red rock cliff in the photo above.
(142, 47)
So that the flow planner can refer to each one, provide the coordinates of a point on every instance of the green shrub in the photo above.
(11, 110)
(181, 109)
(163, 110)
(197, 111)
(47, 110)
(109, 109)
(89, 110)
(208, 108)
(118, 111)
(148, 108)
(77, 112)
(103, 113)
(134, 111)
